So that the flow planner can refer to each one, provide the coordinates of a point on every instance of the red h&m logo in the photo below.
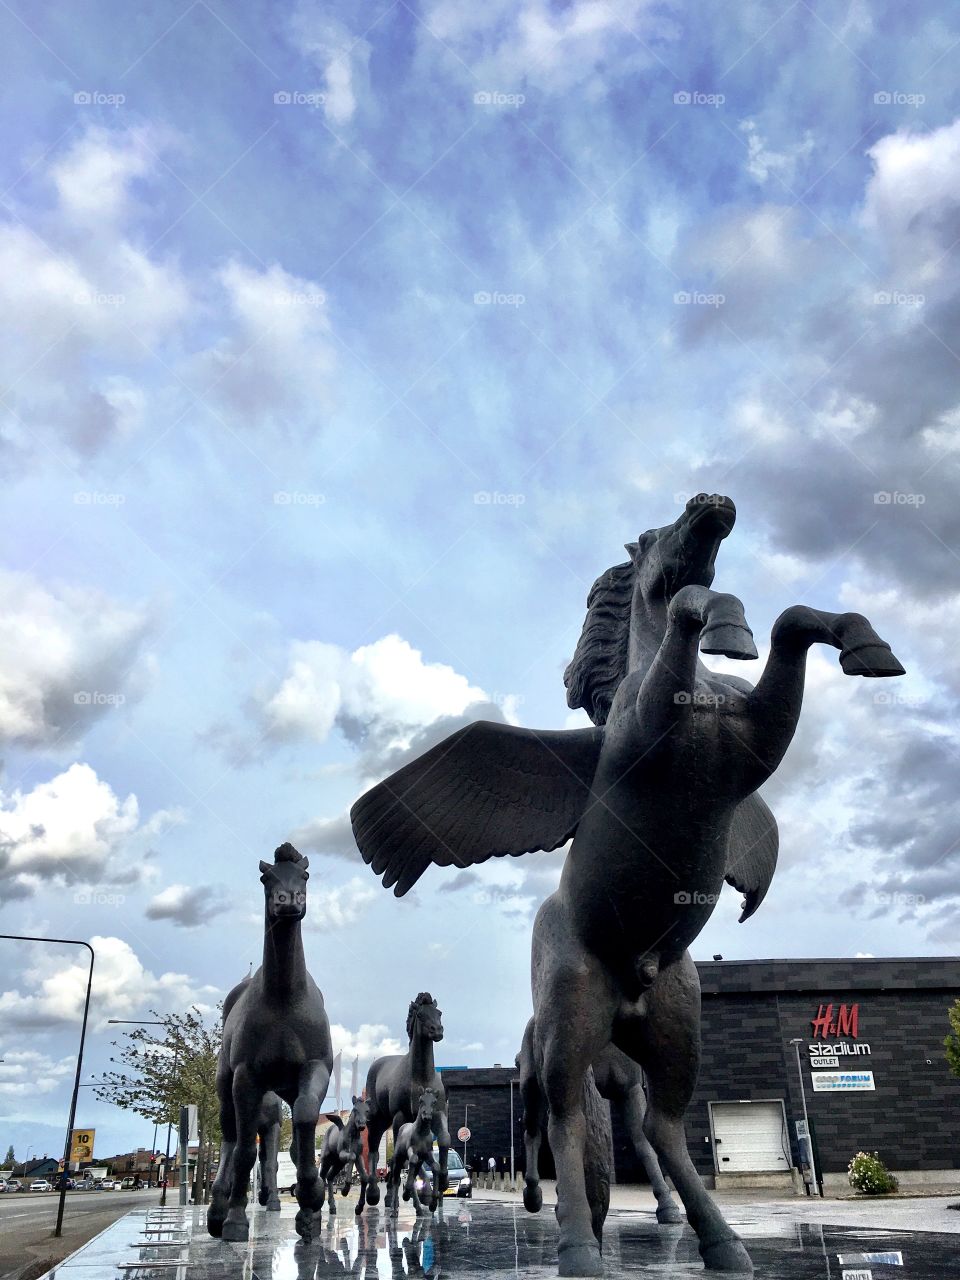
(825, 1027)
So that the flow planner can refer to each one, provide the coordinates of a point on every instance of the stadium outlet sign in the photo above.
(826, 1052)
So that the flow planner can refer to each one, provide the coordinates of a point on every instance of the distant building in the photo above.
(871, 1053)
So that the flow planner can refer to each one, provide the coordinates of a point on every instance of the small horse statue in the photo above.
(394, 1086)
(276, 1039)
(413, 1151)
(660, 799)
(342, 1149)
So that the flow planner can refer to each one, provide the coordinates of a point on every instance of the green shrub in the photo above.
(870, 1175)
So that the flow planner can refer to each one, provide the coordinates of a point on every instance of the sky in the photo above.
(344, 348)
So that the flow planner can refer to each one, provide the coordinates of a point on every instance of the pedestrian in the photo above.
(491, 1171)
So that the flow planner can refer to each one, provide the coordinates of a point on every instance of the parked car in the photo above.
(68, 1183)
(41, 1184)
(108, 1184)
(130, 1184)
(13, 1184)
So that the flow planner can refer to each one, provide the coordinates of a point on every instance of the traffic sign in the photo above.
(464, 1134)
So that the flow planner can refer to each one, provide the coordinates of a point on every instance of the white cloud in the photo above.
(188, 906)
(24, 1073)
(53, 991)
(383, 691)
(68, 655)
(74, 829)
(340, 906)
(370, 1040)
(341, 57)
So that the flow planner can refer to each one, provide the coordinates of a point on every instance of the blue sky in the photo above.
(343, 351)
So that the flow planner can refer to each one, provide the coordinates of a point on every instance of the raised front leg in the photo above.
(441, 1131)
(774, 705)
(314, 1078)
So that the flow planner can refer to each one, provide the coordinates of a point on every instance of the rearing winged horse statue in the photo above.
(660, 799)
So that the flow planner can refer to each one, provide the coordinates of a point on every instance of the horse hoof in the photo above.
(236, 1232)
(303, 1225)
(273, 1206)
(729, 640)
(581, 1260)
(669, 1213)
(726, 1255)
(358, 1210)
(532, 1197)
(373, 1195)
(870, 660)
(214, 1222)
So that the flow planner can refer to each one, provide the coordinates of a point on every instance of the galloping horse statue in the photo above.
(394, 1086)
(660, 799)
(342, 1149)
(414, 1151)
(276, 1039)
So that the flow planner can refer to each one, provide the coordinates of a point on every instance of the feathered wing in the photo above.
(752, 848)
(487, 791)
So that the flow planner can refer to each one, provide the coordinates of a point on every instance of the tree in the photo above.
(9, 1160)
(159, 1070)
(952, 1042)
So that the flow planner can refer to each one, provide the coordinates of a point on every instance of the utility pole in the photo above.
(806, 1119)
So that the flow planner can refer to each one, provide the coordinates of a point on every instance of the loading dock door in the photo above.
(750, 1137)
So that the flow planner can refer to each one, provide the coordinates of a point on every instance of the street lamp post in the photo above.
(797, 1042)
(466, 1112)
(68, 942)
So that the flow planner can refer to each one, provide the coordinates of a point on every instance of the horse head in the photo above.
(285, 884)
(424, 1012)
(360, 1108)
(428, 1103)
(634, 597)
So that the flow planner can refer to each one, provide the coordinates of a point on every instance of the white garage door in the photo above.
(750, 1137)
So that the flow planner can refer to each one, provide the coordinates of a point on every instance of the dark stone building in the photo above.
(871, 1056)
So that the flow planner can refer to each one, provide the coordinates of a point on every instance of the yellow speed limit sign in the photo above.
(81, 1144)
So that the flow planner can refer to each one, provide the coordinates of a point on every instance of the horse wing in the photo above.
(488, 791)
(752, 847)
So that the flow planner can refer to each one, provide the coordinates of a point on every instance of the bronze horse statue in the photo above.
(660, 799)
(276, 1039)
(394, 1086)
(342, 1149)
(413, 1151)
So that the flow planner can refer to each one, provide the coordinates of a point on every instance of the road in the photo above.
(27, 1220)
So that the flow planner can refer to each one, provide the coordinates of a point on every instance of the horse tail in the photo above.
(598, 1153)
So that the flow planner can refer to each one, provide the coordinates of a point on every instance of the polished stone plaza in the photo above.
(493, 1239)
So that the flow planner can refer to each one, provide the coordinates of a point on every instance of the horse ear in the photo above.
(304, 863)
(355, 1100)
(631, 549)
(265, 867)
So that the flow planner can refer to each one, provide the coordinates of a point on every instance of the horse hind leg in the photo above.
(666, 1041)
(534, 1121)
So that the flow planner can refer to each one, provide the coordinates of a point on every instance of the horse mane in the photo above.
(423, 998)
(287, 853)
(599, 662)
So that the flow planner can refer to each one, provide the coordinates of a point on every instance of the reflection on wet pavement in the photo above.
(489, 1240)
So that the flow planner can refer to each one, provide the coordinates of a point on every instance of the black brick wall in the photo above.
(751, 1011)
